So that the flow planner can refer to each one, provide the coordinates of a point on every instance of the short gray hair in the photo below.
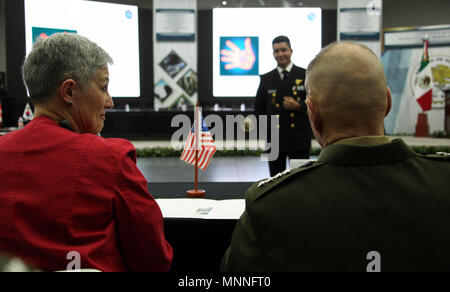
(321, 55)
(60, 57)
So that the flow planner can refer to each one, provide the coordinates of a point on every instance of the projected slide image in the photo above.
(162, 90)
(181, 103)
(45, 32)
(242, 44)
(239, 56)
(172, 64)
(114, 27)
(189, 82)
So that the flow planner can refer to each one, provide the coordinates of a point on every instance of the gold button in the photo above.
(295, 92)
(292, 115)
(292, 125)
(277, 105)
(274, 94)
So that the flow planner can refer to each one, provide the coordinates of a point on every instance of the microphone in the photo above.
(66, 125)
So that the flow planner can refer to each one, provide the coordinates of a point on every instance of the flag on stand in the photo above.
(423, 91)
(206, 146)
(27, 113)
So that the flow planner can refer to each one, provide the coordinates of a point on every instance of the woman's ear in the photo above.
(66, 90)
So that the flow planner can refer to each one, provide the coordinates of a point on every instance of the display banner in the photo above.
(175, 54)
(360, 21)
(438, 35)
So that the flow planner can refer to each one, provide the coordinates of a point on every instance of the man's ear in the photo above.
(314, 117)
(67, 89)
(312, 110)
(389, 102)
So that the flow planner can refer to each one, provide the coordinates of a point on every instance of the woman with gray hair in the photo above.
(70, 198)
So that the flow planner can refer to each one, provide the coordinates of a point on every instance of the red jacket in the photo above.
(61, 191)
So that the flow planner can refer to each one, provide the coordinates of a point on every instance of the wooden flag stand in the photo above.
(196, 193)
(422, 127)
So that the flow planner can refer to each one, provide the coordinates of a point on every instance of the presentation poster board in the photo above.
(403, 52)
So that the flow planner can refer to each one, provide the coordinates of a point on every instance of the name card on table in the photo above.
(201, 208)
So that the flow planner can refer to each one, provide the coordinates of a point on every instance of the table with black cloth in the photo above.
(198, 243)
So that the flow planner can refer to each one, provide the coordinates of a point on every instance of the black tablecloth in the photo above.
(199, 244)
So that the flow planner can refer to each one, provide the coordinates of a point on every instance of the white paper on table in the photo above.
(201, 208)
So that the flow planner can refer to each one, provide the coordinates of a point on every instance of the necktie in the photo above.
(285, 75)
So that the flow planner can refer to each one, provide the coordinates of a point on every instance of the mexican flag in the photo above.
(423, 91)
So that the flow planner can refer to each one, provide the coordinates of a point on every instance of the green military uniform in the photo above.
(361, 195)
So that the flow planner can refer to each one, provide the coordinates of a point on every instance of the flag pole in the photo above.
(196, 193)
(424, 97)
(196, 170)
(196, 163)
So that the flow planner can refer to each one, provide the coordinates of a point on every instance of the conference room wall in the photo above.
(16, 97)
(401, 13)
(395, 14)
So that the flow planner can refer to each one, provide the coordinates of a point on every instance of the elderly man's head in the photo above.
(347, 93)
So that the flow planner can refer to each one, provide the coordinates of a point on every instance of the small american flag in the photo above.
(206, 147)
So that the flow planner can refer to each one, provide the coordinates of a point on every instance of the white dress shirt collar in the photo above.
(288, 68)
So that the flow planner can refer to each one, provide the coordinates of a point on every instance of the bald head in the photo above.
(347, 86)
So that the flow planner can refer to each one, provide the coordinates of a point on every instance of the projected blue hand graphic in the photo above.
(237, 58)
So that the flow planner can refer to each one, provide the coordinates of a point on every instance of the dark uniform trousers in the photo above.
(294, 130)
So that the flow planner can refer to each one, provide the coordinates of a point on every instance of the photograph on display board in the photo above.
(45, 32)
(181, 103)
(162, 90)
(189, 82)
(239, 56)
(172, 64)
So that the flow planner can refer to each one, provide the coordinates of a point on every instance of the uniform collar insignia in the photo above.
(278, 175)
